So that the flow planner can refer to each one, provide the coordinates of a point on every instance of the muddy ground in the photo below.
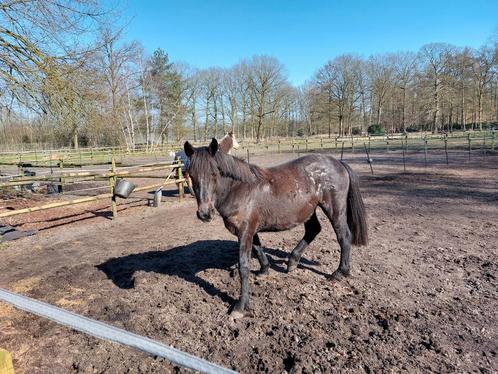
(422, 296)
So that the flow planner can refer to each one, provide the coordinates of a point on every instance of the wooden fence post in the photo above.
(446, 148)
(425, 150)
(181, 186)
(368, 158)
(404, 162)
(278, 145)
(342, 150)
(62, 179)
(112, 186)
(493, 141)
(468, 139)
(50, 161)
(20, 167)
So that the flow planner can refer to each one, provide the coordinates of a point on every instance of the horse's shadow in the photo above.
(187, 262)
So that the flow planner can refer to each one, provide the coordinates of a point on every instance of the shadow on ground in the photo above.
(187, 262)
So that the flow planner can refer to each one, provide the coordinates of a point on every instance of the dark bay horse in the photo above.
(252, 199)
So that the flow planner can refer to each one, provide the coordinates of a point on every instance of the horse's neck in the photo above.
(225, 186)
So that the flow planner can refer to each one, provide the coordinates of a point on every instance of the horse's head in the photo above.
(235, 143)
(205, 176)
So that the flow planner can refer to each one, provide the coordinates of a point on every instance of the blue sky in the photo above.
(303, 35)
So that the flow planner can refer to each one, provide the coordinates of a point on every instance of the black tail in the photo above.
(357, 217)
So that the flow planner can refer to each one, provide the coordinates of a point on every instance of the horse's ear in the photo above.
(213, 147)
(189, 150)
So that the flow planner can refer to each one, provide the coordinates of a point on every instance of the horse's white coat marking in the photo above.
(320, 178)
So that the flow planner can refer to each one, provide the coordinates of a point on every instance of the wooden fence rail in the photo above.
(112, 176)
(104, 155)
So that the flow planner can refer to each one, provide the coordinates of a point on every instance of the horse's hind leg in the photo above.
(312, 229)
(260, 253)
(337, 214)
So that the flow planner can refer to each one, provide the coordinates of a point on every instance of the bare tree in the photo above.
(35, 35)
(483, 69)
(437, 58)
(381, 76)
(338, 82)
(405, 68)
(266, 79)
(119, 67)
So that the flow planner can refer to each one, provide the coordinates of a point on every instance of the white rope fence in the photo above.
(107, 332)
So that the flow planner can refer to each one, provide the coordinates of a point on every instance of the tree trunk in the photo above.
(435, 119)
(194, 122)
(363, 113)
(258, 129)
(330, 115)
(223, 130)
(450, 119)
(207, 119)
(403, 123)
(463, 106)
(75, 139)
(479, 108)
(215, 107)
(379, 112)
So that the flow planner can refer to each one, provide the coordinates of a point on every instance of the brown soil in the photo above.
(422, 296)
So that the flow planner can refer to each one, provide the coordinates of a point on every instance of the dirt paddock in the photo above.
(422, 296)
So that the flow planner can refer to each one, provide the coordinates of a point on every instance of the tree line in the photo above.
(68, 78)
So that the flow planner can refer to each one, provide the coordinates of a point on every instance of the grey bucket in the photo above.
(123, 188)
(157, 197)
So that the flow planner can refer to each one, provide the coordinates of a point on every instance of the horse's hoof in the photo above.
(238, 311)
(237, 314)
(291, 267)
(262, 272)
(339, 275)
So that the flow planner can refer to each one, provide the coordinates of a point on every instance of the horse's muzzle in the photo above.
(205, 216)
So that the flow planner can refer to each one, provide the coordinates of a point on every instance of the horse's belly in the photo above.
(287, 214)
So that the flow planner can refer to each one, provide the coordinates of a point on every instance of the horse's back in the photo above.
(315, 168)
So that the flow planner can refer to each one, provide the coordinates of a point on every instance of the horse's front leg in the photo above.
(241, 308)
